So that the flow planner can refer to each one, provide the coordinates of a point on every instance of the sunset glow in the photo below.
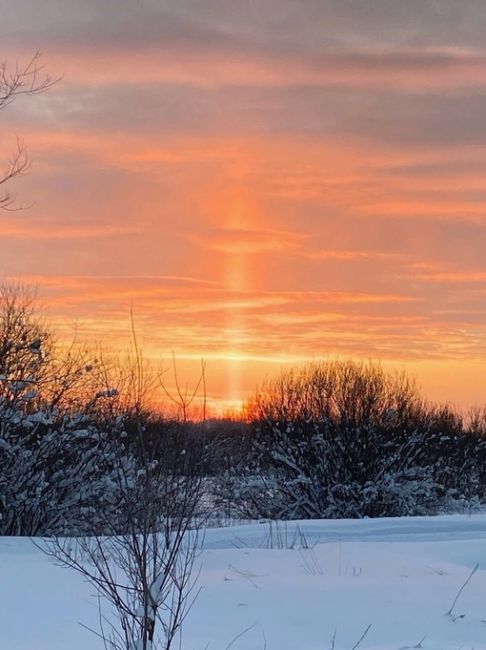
(261, 183)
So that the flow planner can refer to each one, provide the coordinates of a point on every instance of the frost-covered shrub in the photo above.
(349, 440)
(52, 477)
(54, 466)
(307, 479)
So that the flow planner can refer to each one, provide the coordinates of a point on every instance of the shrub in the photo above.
(345, 439)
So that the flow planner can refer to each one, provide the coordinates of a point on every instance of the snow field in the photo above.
(398, 575)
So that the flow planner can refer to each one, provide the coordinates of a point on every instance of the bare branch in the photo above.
(17, 80)
(18, 166)
(26, 79)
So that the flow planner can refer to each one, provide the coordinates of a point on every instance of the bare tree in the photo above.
(32, 359)
(17, 80)
(141, 561)
(183, 397)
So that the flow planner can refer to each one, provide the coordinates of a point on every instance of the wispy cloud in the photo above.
(241, 241)
(258, 186)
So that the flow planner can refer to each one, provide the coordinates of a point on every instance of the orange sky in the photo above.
(262, 182)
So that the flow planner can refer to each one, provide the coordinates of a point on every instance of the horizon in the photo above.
(261, 184)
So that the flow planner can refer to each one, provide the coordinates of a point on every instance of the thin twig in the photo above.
(362, 638)
(333, 640)
(449, 613)
(250, 627)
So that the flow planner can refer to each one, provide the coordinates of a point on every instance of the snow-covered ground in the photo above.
(398, 575)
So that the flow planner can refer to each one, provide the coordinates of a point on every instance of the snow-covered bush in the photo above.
(349, 440)
(54, 465)
(54, 475)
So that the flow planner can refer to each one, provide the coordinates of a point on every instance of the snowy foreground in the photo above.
(399, 575)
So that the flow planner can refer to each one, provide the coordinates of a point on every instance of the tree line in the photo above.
(332, 439)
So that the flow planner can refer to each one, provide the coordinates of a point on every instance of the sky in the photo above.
(261, 182)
